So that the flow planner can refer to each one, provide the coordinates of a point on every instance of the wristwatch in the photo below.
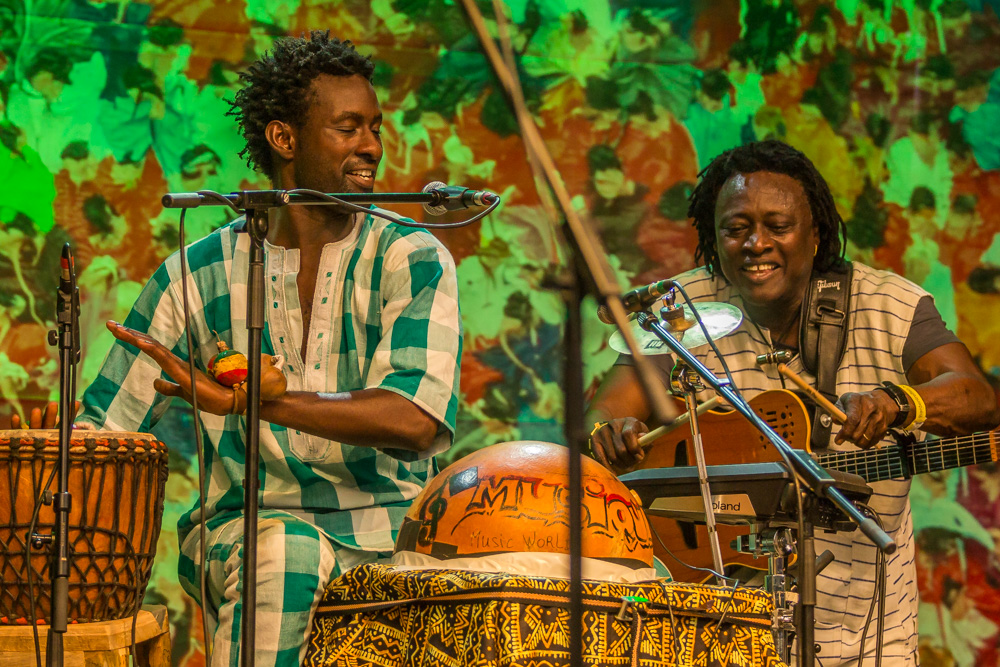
(902, 402)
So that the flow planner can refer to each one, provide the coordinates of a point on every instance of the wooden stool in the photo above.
(101, 644)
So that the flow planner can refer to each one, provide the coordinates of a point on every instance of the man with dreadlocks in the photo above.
(364, 312)
(766, 222)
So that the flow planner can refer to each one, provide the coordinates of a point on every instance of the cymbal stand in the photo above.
(685, 381)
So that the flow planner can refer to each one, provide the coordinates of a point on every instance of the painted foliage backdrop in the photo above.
(107, 105)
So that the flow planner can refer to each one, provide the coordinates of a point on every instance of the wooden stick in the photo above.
(811, 391)
(682, 419)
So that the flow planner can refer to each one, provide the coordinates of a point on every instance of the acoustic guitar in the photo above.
(730, 439)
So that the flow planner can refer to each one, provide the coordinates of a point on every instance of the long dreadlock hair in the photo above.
(276, 87)
(778, 157)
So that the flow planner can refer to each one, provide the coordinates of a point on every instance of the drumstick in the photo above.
(680, 421)
(811, 391)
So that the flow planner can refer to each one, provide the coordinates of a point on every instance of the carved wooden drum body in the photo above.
(116, 481)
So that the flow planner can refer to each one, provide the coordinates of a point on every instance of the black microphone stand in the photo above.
(256, 205)
(68, 339)
(812, 475)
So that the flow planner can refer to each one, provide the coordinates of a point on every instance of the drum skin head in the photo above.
(514, 497)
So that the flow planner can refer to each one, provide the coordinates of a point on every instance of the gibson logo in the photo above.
(823, 284)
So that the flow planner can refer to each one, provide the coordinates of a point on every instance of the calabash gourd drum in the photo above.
(514, 496)
(116, 482)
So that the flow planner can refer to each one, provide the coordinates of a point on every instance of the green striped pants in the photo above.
(295, 561)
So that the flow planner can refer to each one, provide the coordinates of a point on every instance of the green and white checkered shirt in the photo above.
(385, 315)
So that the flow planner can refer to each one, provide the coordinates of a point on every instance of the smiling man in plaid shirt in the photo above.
(365, 314)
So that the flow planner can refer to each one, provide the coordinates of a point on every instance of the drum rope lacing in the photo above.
(114, 530)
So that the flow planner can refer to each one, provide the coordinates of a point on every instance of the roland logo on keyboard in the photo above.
(719, 504)
(732, 506)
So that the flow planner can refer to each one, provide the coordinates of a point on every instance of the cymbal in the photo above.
(719, 318)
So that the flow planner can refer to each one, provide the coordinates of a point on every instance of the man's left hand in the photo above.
(869, 414)
(212, 396)
(47, 417)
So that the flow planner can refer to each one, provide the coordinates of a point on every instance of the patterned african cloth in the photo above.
(377, 615)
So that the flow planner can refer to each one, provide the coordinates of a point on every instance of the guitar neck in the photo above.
(904, 461)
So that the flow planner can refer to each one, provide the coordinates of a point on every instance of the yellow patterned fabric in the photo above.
(378, 616)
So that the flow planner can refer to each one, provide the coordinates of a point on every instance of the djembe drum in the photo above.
(116, 481)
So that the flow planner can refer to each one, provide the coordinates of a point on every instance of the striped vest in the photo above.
(882, 307)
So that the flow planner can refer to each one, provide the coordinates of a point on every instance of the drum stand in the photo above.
(778, 545)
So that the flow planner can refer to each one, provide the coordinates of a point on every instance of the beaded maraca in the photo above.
(228, 367)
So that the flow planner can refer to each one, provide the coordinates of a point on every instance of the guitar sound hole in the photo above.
(681, 454)
(689, 534)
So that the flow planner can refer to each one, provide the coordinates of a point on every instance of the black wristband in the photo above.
(902, 402)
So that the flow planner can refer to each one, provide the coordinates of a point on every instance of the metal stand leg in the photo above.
(687, 383)
(778, 545)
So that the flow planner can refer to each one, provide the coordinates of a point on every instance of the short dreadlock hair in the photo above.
(276, 87)
(778, 157)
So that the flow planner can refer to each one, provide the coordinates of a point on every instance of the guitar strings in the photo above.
(884, 463)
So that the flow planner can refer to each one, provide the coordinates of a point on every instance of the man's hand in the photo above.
(39, 417)
(47, 417)
(869, 414)
(616, 444)
(212, 396)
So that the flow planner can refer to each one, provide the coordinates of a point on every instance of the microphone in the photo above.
(638, 299)
(454, 197)
(67, 272)
(68, 301)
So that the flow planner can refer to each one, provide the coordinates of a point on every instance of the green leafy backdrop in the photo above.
(105, 106)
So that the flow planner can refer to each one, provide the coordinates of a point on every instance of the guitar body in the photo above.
(728, 438)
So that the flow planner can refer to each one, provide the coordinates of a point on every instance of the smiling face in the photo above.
(338, 147)
(766, 241)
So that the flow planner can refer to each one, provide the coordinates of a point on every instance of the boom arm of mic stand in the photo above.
(274, 198)
(811, 473)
